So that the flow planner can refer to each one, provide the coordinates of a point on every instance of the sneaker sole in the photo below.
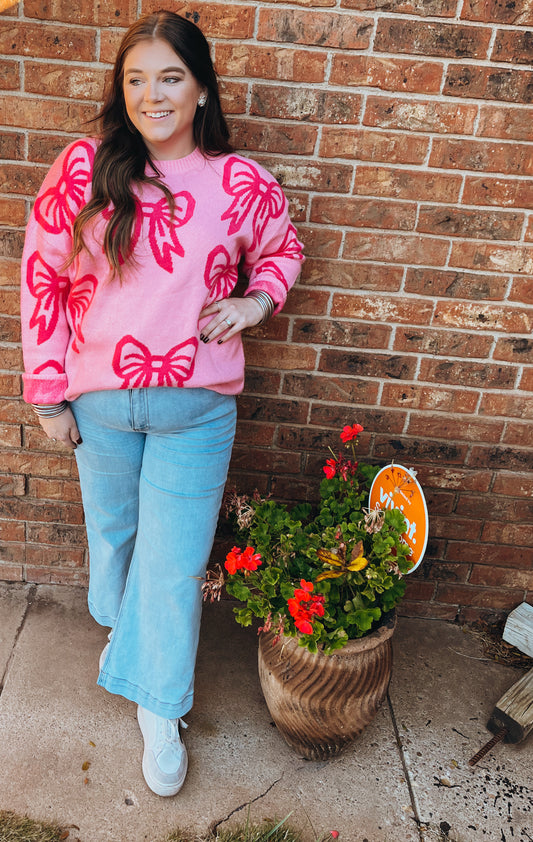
(165, 790)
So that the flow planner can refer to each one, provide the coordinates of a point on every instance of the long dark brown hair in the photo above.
(122, 156)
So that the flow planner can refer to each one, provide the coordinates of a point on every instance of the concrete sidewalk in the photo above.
(406, 779)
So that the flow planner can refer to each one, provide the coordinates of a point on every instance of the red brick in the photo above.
(9, 75)
(439, 8)
(429, 38)
(39, 40)
(498, 11)
(368, 145)
(276, 329)
(10, 385)
(490, 554)
(10, 435)
(514, 350)
(323, 415)
(26, 508)
(395, 248)
(509, 123)
(506, 458)
(40, 556)
(405, 75)
(44, 148)
(363, 213)
(320, 242)
(324, 29)
(334, 332)
(57, 115)
(11, 243)
(454, 478)
(388, 309)
(119, 12)
(308, 302)
(435, 399)
(11, 146)
(332, 389)
(480, 190)
(492, 258)
(446, 572)
(304, 174)
(57, 80)
(56, 576)
(54, 489)
(515, 510)
(515, 46)
(367, 365)
(506, 85)
(12, 359)
(267, 461)
(298, 205)
(216, 20)
(298, 103)
(12, 211)
(517, 434)
(11, 530)
(43, 464)
(467, 373)
(420, 115)
(9, 272)
(529, 232)
(452, 428)
(265, 136)
(468, 315)
(526, 382)
(430, 610)
(9, 302)
(517, 534)
(11, 572)
(453, 284)
(407, 184)
(351, 275)
(279, 63)
(456, 222)
(262, 381)
(514, 485)
(417, 589)
(479, 597)
(443, 343)
(60, 534)
(21, 178)
(233, 97)
(261, 434)
(486, 156)
(508, 406)
(12, 485)
(109, 43)
(287, 357)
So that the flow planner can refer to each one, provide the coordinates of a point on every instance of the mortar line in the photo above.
(29, 600)
(405, 768)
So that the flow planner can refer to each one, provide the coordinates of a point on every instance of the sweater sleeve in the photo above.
(45, 283)
(273, 258)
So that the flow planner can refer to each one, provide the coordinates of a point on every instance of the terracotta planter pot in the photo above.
(321, 703)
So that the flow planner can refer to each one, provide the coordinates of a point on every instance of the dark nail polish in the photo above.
(219, 342)
(202, 337)
(79, 440)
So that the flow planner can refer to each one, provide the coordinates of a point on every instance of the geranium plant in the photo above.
(325, 573)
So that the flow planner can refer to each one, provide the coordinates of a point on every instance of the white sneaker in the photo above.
(103, 654)
(165, 756)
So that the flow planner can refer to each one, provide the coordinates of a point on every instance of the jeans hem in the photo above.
(121, 687)
(101, 619)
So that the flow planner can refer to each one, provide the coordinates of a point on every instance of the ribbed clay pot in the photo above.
(321, 703)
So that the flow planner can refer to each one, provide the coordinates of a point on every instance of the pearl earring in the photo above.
(202, 99)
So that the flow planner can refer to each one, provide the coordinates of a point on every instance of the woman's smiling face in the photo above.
(161, 97)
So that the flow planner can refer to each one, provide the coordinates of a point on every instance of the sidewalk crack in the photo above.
(215, 825)
(32, 590)
(406, 771)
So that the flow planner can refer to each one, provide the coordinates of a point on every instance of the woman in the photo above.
(133, 353)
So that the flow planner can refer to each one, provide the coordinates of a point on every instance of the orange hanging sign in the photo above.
(395, 487)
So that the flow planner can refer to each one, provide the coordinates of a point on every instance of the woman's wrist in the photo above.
(49, 410)
(266, 303)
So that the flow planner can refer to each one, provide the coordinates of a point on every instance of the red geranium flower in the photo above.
(237, 560)
(303, 607)
(330, 468)
(350, 433)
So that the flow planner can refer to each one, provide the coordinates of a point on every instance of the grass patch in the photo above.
(266, 832)
(15, 828)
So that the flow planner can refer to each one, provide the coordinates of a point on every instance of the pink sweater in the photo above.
(83, 331)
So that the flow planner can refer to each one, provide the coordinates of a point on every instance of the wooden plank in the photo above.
(514, 711)
(518, 629)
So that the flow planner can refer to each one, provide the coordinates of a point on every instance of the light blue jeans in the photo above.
(152, 468)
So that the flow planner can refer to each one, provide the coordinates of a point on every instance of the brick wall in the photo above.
(402, 132)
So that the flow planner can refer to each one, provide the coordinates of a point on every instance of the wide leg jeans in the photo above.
(152, 468)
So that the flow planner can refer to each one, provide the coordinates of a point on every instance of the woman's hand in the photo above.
(62, 428)
(230, 316)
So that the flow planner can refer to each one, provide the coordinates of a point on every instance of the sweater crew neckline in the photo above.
(193, 161)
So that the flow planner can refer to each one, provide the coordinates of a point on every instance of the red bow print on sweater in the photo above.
(162, 227)
(138, 367)
(252, 195)
(57, 208)
(50, 290)
(80, 297)
(220, 274)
